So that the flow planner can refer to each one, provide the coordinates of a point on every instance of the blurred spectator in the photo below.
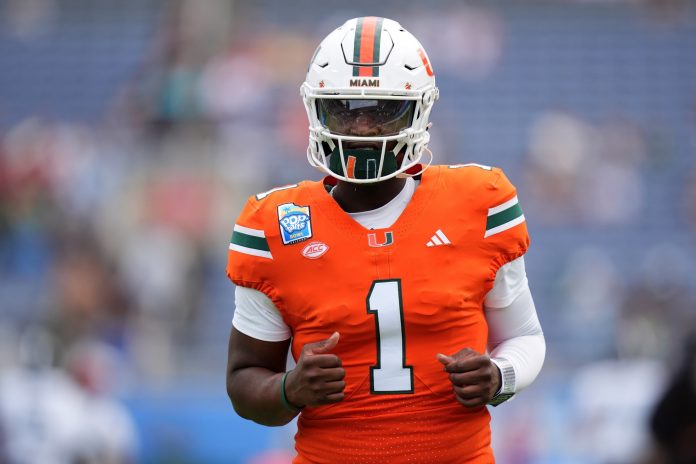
(26, 19)
(592, 294)
(27, 205)
(673, 422)
(637, 325)
(609, 412)
(233, 85)
(467, 40)
(659, 307)
(580, 173)
(56, 416)
(690, 200)
(98, 372)
(88, 301)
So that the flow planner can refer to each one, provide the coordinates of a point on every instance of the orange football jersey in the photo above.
(397, 296)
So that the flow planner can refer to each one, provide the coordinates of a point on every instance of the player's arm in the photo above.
(515, 338)
(516, 344)
(257, 383)
(254, 373)
(475, 378)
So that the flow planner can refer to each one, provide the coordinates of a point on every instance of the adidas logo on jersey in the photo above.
(438, 239)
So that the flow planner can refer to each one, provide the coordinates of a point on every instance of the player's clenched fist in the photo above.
(318, 377)
(474, 377)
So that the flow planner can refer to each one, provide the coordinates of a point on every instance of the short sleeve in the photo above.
(250, 260)
(255, 315)
(506, 227)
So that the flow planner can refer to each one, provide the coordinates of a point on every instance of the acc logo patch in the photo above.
(315, 250)
(295, 223)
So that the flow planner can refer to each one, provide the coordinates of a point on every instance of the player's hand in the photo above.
(318, 377)
(474, 377)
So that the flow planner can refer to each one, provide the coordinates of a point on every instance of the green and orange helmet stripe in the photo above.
(368, 36)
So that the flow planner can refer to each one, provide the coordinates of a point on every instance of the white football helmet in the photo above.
(368, 94)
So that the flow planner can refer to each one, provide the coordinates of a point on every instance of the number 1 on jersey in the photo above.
(390, 375)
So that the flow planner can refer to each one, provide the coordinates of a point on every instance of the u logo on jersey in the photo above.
(387, 238)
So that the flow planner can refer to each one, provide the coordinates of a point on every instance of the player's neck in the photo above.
(355, 198)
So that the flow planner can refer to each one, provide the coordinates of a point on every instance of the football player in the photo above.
(399, 288)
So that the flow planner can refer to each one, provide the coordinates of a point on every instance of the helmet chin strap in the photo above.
(423, 166)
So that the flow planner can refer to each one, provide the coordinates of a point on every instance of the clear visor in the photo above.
(365, 118)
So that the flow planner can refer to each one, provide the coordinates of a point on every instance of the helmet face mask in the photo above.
(369, 87)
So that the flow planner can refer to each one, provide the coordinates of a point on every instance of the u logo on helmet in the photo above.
(350, 167)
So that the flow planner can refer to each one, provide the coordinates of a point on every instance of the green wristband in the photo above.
(288, 405)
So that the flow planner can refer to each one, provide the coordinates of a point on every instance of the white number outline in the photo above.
(378, 337)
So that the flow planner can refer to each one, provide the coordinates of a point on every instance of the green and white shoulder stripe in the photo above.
(503, 217)
(250, 242)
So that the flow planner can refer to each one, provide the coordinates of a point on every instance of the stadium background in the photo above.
(132, 131)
